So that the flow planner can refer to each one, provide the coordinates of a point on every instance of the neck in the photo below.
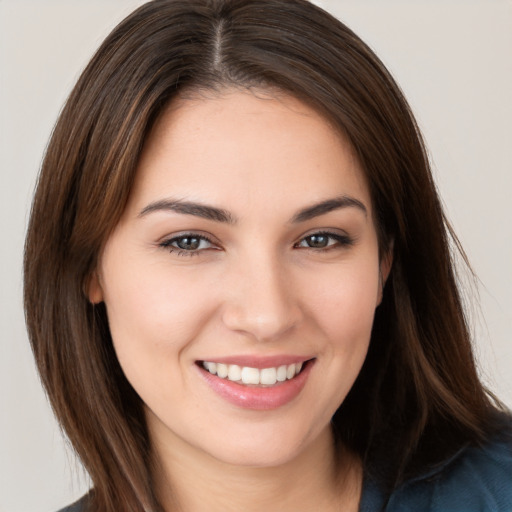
(188, 480)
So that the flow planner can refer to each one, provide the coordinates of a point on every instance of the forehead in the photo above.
(247, 149)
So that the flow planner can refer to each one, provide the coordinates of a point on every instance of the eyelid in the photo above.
(325, 231)
(189, 233)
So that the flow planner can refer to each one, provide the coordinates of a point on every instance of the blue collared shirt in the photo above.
(473, 480)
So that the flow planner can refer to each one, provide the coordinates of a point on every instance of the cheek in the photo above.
(154, 312)
(344, 303)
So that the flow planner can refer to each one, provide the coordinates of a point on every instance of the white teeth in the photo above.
(211, 367)
(281, 373)
(268, 376)
(248, 375)
(222, 370)
(234, 372)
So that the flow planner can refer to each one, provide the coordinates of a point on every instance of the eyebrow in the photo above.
(189, 208)
(327, 206)
(220, 215)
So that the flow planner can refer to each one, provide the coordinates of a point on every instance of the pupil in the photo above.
(188, 243)
(317, 241)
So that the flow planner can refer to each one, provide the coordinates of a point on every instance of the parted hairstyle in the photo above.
(417, 399)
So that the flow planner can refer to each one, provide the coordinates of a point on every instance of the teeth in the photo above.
(234, 372)
(268, 376)
(222, 370)
(248, 375)
(211, 367)
(281, 373)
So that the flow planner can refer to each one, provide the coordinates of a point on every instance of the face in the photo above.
(242, 279)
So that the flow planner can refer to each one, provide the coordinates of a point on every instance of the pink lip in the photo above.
(255, 397)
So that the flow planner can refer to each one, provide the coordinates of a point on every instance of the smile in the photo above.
(264, 388)
(253, 376)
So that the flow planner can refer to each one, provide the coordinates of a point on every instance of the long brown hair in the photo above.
(418, 397)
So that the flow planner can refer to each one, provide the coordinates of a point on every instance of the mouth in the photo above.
(258, 388)
(249, 376)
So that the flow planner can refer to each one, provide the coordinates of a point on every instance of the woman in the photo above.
(238, 284)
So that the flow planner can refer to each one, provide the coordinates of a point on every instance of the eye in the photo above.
(187, 244)
(324, 241)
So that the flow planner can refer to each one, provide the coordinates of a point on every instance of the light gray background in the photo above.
(451, 57)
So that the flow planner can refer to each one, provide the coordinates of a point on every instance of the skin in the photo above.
(257, 288)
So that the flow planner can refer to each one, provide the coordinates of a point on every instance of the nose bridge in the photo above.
(261, 302)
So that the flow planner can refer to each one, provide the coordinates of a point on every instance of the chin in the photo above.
(271, 447)
(257, 458)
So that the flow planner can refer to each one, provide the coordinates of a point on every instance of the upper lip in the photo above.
(259, 362)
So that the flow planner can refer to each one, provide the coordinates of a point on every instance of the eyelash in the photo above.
(341, 241)
(167, 244)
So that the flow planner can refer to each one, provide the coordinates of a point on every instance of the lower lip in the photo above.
(255, 397)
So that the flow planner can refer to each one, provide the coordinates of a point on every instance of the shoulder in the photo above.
(79, 506)
(477, 479)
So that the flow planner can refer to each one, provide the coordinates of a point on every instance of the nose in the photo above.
(260, 300)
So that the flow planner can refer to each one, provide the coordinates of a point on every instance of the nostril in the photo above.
(260, 325)
(259, 300)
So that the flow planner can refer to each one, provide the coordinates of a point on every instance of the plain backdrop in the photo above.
(451, 57)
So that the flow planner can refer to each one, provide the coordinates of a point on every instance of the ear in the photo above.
(386, 263)
(93, 289)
